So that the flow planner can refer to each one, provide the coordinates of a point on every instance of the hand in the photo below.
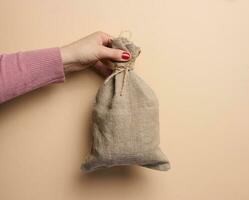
(92, 50)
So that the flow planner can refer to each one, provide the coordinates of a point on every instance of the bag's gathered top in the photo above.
(123, 67)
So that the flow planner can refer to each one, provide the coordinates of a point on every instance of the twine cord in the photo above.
(120, 69)
(126, 33)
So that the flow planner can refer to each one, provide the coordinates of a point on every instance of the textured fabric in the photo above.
(125, 127)
(25, 71)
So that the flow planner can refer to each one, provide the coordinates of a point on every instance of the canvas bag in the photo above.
(125, 119)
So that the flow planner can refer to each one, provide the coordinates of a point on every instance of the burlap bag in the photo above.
(125, 119)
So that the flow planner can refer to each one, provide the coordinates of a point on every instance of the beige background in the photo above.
(194, 55)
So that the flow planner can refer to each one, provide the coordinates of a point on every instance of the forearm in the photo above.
(25, 71)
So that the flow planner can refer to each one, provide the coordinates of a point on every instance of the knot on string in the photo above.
(119, 69)
(124, 67)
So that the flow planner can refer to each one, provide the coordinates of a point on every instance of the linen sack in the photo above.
(125, 119)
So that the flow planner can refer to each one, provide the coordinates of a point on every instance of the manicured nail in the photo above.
(125, 55)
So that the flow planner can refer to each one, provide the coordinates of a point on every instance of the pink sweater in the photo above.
(25, 71)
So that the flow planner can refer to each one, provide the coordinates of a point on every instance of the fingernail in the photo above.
(125, 55)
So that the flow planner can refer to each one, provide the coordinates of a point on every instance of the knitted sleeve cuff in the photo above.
(25, 71)
(44, 67)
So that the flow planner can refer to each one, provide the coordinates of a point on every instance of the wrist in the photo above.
(66, 55)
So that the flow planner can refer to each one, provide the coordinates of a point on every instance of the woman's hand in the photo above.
(92, 50)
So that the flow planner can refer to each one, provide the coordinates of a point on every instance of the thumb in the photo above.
(114, 54)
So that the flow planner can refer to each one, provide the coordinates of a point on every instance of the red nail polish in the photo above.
(125, 55)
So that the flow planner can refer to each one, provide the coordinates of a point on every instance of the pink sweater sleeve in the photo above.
(25, 71)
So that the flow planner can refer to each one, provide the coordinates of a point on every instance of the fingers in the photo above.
(103, 68)
(114, 54)
(106, 39)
